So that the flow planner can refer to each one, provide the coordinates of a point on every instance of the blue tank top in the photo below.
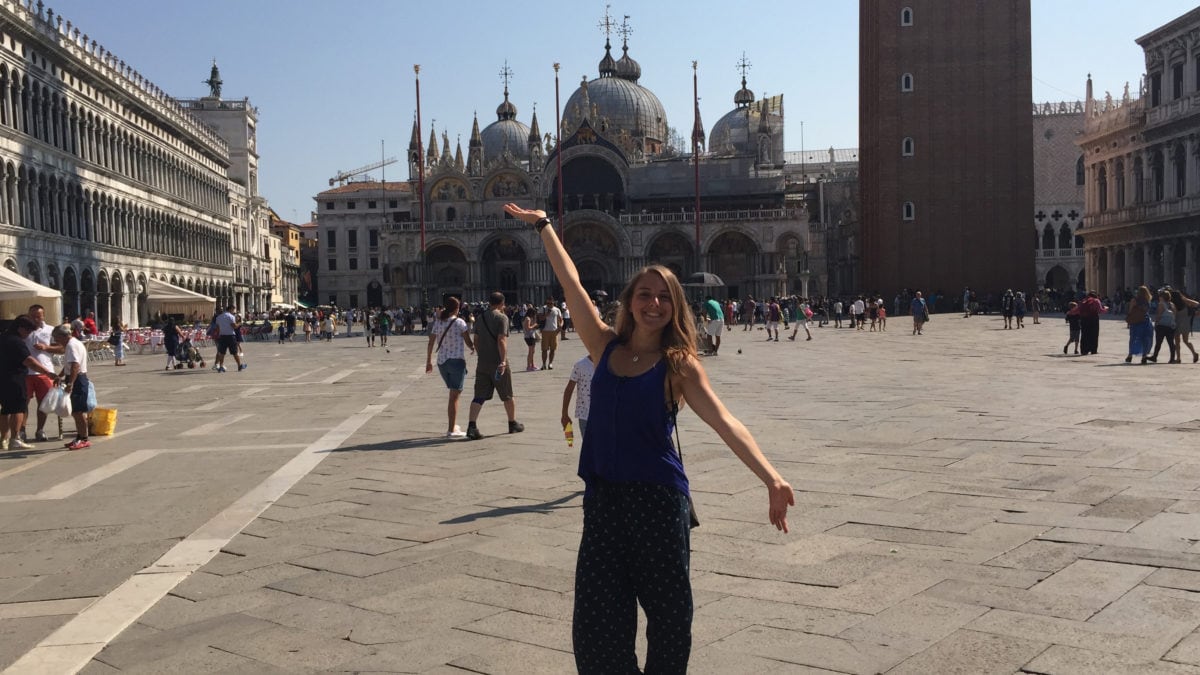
(628, 437)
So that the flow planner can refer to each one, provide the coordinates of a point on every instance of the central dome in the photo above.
(506, 133)
(620, 104)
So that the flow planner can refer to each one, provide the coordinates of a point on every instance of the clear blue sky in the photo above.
(333, 79)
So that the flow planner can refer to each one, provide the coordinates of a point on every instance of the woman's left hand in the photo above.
(781, 498)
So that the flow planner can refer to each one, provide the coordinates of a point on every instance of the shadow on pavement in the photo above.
(403, 444)
(544, 507)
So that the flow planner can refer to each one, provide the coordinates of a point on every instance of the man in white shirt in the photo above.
(227, 329)
(41, 346)
(550, 334)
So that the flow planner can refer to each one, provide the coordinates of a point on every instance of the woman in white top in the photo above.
(74, 375)
(451, 334)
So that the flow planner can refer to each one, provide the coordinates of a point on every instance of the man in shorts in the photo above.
(714, 322)
(41, 346)
(227, 331)
(492, 374)
(550, 326)
(774, 314)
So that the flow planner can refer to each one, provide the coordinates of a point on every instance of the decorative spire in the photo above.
(415, 141)
(506, 110)
(608, 66)
(431, 152)
(476, 138)
(627, 68)
(446, 156)
(458, 157)
(744, 97)
(535, 134)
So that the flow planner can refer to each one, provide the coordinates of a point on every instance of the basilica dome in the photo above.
(620, 103)
(736, 132)
(506, 133)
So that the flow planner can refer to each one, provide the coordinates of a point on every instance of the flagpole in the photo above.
(696, 134)
(558, 151)
(420, 161)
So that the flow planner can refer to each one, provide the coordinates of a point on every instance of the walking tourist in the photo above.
(1164, 325)
(920, 313)
(1183, 324)
(714, 322)
(171, 338)
(228, 330)
(580, 381)
(529, 330)
(492, 374)
(1089, 311)
(1006, 308)
(1073, 331)
(774, 314)
(116, 338)
(550, 326)
(450, 335)
(634, 547)
(1141, 330)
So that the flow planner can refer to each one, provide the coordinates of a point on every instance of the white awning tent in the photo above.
(165, 298)
(17, 293)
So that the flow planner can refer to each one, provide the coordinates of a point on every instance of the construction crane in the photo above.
(342, 176)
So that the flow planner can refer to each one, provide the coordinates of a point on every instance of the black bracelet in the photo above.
(540, 223)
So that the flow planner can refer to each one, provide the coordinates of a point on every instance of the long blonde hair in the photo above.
(678, 340)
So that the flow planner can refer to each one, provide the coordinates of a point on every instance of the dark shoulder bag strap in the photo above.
(449, 325)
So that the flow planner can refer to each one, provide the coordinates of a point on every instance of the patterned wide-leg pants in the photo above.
(634, 550)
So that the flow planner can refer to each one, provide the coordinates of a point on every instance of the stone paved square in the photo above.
(969, 500)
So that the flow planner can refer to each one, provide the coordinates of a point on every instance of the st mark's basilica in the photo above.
(628, 191)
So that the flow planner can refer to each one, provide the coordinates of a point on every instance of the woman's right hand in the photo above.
(428, 366)
(530, 216)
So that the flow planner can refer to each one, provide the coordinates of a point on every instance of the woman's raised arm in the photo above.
(595, 333)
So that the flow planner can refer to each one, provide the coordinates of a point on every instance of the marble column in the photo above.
(1111, 283)
(1192, 154)
(1130, 278)
(1148, 275)
(1189, 268)
(1169, 273)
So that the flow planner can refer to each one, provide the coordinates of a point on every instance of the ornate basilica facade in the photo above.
(106, 181)
(628, 192)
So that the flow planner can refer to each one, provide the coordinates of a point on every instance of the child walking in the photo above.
(1073, 326)
(581, 378)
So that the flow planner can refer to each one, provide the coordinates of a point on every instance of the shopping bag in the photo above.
(50, 403)
(63, 409)
(91, 397)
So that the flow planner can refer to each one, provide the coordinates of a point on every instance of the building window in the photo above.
(1155, 89)
(909, 211)
(353, 263)
(906, 16)
(354, 300)
(333, 300)
(332, 264)
(331, 239)
(1079, 171)
(374, 262)
(370, 205)
(1102, 188)
(352, 238)
(1120, 181)
(328, 206)
(906, 147)
(906, 82)
(373, 235)
(351, 205)
(393, 203)
(1196, 68)
(1176, 81)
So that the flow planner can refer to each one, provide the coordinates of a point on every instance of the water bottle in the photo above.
(496, 376)
(569, 433)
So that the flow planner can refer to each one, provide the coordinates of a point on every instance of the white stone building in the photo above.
(350, 221)
(1058, 195)
(1142, 173)
(107, 181)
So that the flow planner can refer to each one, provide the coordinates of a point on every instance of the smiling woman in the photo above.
(637, 510)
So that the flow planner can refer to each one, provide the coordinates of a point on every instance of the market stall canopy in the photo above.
(17, 293)
(165, 298)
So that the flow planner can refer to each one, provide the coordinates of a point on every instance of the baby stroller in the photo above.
(187, 353)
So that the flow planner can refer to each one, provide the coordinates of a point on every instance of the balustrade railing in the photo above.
(681, 217)
(1173, 208)
(1174, 110)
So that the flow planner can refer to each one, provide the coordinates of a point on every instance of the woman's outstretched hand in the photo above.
(781, 498)
(527, 215)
